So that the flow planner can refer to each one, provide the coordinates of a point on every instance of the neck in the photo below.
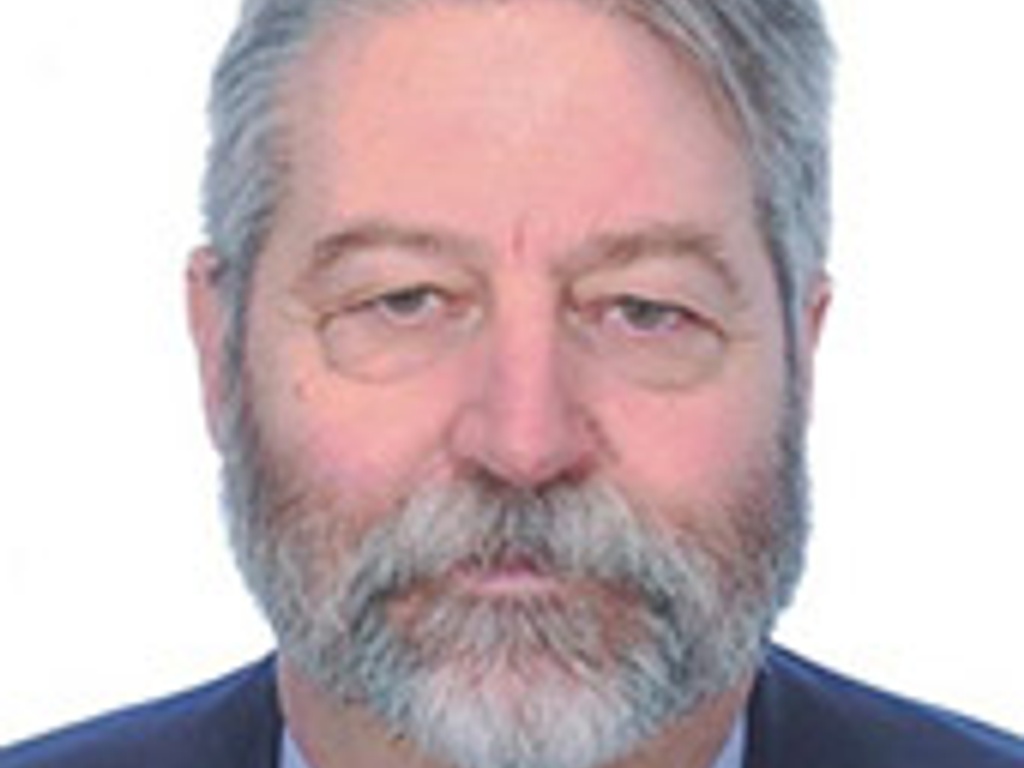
(333, 736)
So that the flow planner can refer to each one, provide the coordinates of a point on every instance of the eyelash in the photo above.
(639, 307)
(432, 300)
(617, 309)
(386, 300)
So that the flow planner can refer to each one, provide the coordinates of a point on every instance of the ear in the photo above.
(208, 324)
(815, 311)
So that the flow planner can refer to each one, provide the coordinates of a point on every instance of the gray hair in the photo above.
(771, 58)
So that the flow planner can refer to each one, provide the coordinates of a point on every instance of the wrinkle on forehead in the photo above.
(481, 61)
(535, 107)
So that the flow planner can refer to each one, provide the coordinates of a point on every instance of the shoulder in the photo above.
(804, 714)
(230, 721)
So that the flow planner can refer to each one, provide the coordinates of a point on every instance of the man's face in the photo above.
(514, 367)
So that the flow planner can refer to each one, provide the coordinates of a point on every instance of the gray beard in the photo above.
(650, 625)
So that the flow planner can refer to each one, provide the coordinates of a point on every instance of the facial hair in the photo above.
(645, 624)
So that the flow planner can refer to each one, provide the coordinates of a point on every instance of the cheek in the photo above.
(355, 447)
(695, 448)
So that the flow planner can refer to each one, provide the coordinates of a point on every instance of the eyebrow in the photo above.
(375, 234)
(671, 239)
(602, 249)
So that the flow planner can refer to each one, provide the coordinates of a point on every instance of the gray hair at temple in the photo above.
(771, 58)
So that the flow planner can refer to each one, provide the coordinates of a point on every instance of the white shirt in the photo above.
(731, 755)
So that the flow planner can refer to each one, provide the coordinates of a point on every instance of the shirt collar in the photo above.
(731, 755)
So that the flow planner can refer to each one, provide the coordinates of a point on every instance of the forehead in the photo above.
(539, 116)
(543, 49)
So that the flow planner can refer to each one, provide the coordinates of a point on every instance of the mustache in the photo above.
(661, 587)
(584, 531)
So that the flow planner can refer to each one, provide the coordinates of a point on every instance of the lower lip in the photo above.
(508, 582)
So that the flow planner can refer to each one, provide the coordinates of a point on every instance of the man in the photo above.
(506, 332)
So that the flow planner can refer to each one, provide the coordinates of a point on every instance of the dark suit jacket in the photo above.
(801, 716)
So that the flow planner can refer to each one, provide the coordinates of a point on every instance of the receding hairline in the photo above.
(339, 20)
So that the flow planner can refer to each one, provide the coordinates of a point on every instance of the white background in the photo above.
(114, 580)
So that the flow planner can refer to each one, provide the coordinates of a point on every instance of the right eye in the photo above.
(409, 307)
(392, 331)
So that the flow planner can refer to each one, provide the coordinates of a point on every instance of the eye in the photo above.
(410, 306)
(640, 316)
(391, 323)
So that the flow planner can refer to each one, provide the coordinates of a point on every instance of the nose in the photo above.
(523, 421)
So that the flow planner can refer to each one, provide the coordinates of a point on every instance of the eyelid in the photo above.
(365, 244)
(353, 284)
(688, 303)
(693, 279)
(680, 313)
(666, 242)
(386, 293)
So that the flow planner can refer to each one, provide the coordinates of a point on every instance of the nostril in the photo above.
(530, 453)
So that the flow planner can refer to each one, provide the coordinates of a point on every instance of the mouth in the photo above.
(507, 575)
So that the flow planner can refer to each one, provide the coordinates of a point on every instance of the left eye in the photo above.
(646, 316)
